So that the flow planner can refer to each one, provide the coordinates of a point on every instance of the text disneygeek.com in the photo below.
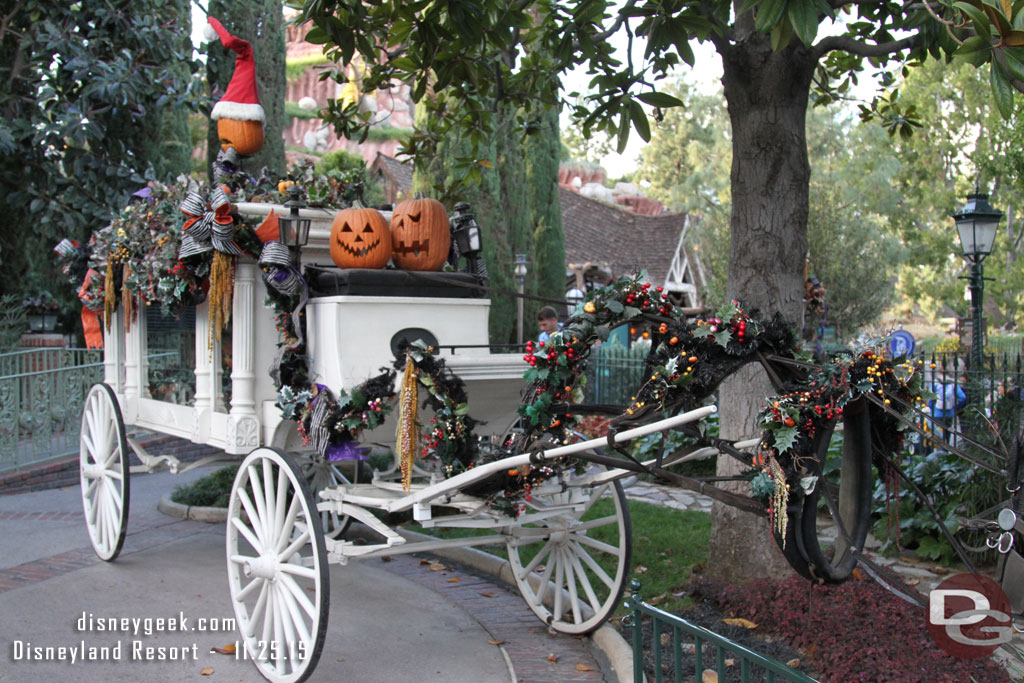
(137, 649)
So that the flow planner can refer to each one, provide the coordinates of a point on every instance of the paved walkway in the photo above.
(398, 620)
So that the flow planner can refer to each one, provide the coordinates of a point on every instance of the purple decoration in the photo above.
(347, 450)
(144, 193)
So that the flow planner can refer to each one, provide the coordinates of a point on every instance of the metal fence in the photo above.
(42, 392)
(693, 649)
(614, 373)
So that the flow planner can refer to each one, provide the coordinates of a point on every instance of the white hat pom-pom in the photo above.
(209, 35)
(307, 103)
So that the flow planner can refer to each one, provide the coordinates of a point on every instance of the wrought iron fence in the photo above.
(614, 373)
(42, 392)
(694, 649)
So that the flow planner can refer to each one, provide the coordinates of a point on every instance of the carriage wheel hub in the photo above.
(264, 567)
(93, 470)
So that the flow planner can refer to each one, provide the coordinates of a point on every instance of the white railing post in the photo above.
(113, 352)
(243, 425)
(207, 374)
(136, 383)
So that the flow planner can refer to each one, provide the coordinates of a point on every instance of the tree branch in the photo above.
(862, 49)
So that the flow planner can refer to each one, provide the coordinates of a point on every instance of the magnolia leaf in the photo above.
(808, 484)
(494, 641)
(462, 409)
(584, 667)
(207, 671)
(228, 649)
(742, 623)
(614, 305)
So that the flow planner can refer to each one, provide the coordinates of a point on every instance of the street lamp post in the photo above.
(521, 283)
(976, 224)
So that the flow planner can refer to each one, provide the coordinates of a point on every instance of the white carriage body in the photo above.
(348, 341)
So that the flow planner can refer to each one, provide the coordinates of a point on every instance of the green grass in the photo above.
(667, 545)
(213, 490)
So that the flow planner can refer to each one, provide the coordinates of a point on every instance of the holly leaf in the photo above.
(630, 312)
(702, 331)
(722, 338)
(785, 438)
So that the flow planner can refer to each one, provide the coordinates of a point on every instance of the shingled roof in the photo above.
(396, 175)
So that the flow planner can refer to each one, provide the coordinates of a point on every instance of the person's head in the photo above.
(547, 318)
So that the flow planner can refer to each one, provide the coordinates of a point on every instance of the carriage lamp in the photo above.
(977, 223)
(294, 230)
(466, 235)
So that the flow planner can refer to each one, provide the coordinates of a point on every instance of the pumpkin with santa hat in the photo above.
(239, 115)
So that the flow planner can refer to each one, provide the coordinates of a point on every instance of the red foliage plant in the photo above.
(855, 631)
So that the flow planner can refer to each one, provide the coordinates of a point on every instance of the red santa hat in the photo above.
(241, 101)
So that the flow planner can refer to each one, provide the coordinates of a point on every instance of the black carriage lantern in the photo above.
(294, 230)
(465, 230)
(977, 223)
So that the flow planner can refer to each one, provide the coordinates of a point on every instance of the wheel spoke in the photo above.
(261, 506)
(281, 498)
(307, 572)
(296, 617)
(115, 495)
(257, 610)
(545, 578)
(89, 447)
(302, 540)
(298, 594)
(268, 616)
(584, 580)
(253, 585)
(289, 526)
(279, 640)
(570, 580)
(271, 507)
(559, 574)
(254, 520)
(594, 566)
(598, 545)
(242, 529)
(538, 558)
(596, 523)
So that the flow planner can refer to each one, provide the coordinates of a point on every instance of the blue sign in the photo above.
(901, 343)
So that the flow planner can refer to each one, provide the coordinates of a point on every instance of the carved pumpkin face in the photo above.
(420, 238)
(360, 238)
(245, 136)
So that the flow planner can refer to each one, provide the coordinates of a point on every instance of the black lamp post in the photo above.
(294, 230)
(520, 271)
(977, 223)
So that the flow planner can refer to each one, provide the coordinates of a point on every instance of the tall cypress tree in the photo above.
(543, 152)
(261, 22)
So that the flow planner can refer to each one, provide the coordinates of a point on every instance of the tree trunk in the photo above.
(767, 94)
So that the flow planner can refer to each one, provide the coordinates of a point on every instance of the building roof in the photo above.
(624, 242)
(397, 175)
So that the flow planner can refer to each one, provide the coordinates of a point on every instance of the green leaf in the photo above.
(782, 34)
(981, 23)
(975, 50)
(316, 36)
(630, 312)
(803, 14)
(640, 122)
(702, 331)
(769, 13)
(462, 409)
(624, 117)
(1001, 89)
(1013, 64)
(659, 99)
(722, 338)
(614, 305)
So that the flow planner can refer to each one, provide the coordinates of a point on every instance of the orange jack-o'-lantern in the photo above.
(360, 238)
(420, 238)
(245, 136)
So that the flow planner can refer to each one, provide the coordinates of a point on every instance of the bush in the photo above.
(340, 160)
(213, 490)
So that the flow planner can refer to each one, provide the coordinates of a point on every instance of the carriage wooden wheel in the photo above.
(103, 460)
(277, 566)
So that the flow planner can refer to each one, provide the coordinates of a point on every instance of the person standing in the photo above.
(547, 319)
(948, 398)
